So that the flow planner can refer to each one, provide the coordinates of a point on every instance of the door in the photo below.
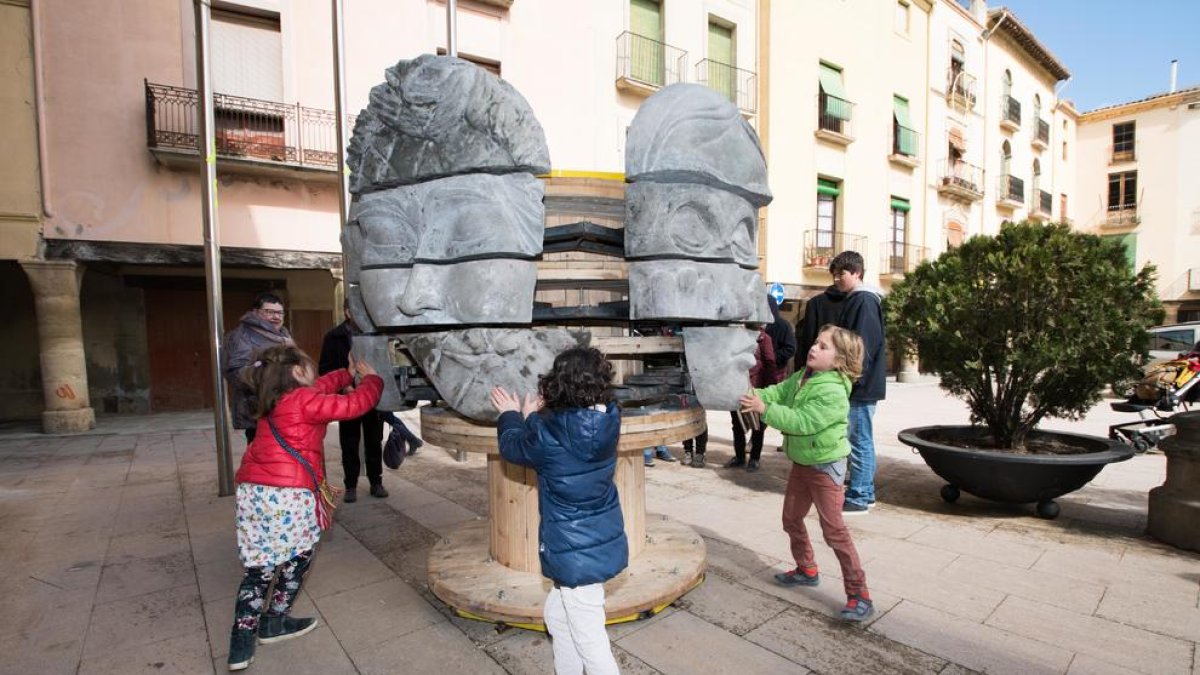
(722, 72)
(178, 345)
(646, 46)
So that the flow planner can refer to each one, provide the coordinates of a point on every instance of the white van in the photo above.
(1168, 342)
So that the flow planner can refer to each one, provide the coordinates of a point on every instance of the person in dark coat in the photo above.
(335, 355)
(764, 374)
(849, 303)
(572, 444)
(259, 328)
(783, 339)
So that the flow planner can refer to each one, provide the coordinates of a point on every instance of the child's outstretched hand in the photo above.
(361, 367)
(532, 404)
(752, 403)
(504, 402)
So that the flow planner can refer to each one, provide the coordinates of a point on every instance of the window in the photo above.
(1122, 191)
(1064, 151)
(834, 108)
(647, 54)
(1063, 214)
(1037, 176)
(247, 55)
(490, 65)
(904, 137)
(1129, 242)
(897, 249)
(1123, 141)
(955, 234)
(1037, 107)
(1005, 159)
(902, 17)
(827, 195)
(722, 59)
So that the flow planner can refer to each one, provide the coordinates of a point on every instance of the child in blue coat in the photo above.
(569, 435)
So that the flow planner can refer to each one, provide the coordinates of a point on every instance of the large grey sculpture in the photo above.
(691, 230)
(438, 116)
(445, 226)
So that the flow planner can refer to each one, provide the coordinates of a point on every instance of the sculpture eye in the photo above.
(695, 230)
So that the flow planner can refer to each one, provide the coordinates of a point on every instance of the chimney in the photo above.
(1174, 74)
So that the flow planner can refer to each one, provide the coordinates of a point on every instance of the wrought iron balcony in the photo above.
(1044, 205)
(960, 180)
(646, 65)
(821, 246)
(266, 132)
(897, 258)
(1012, 191)
(960, 88)
(1122, 215)
(738, 85)
(833, 119)
(905, 145)
(1042, 135)
(1010, 112)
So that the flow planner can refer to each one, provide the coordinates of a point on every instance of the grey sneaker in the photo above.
(698, 460)
(280, 628)
(857, 609)
(798, 577)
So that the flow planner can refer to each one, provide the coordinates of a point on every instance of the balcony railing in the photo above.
(960, 87)
(245, 128)
(1043, 133)
(738, 85)
(1122, 215)
(1122, 152)
(1045, 203)
(821, 246)
(834, 114)
(905, 141)
(1012, 189)
(1010, 110)
(647, 62)
(959, 179)
(897, 258)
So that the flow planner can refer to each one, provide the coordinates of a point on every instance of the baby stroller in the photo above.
(1166, 388)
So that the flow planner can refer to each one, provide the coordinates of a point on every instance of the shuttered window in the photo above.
(247, 56)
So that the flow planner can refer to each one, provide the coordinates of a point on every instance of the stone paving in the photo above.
(120, 558)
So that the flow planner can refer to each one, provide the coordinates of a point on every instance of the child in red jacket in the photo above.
(283, 501)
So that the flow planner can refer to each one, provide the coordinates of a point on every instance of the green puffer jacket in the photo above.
(812, 417)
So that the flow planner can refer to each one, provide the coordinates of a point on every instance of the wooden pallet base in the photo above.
(464, 576)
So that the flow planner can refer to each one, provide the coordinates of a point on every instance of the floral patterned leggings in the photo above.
(256, 582)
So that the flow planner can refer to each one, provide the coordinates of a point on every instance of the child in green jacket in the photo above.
(811, 409)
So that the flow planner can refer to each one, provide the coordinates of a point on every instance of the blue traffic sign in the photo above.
(775, 290)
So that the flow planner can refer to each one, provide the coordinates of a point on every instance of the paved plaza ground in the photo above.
(120, 558)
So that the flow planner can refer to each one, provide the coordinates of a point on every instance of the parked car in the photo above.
(1168, 342)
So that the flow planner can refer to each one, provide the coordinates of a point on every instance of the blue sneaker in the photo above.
(857, 609)
(798, 577)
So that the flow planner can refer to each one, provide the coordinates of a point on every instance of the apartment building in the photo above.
(900, 128)
(101, 255)
(1138, 164)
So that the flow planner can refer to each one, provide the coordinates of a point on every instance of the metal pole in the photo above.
(451, 28)
(212, 248)
(339, 111)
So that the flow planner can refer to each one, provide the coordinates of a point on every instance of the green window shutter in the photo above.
(828, 187)
(645, 18)
(906, 136)
(836, 102)
(1129, 242)
(720, 44)
(722, 76)
(901, 204)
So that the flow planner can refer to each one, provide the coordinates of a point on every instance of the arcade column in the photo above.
(56, 286)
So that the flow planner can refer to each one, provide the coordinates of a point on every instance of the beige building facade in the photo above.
(903, 127)
(1139, 183)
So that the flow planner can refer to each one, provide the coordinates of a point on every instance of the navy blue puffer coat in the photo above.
(582, 533)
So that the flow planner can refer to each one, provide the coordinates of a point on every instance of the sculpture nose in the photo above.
(423, 291)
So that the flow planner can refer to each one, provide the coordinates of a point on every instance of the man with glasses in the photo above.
(849, 303)
(259, 328)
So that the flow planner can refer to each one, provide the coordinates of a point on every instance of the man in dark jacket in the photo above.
(259, 328)
(783, 339)
(335, 355)
(849, 303)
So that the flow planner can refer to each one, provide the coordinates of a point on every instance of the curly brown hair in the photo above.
(580, 378)
(271, 375)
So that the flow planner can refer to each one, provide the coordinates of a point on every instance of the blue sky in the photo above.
(1116, 50)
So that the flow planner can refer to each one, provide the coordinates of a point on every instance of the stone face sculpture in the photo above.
(438, 116)
(465, 365)
(698, 178)
(444, 229)
(719, 358)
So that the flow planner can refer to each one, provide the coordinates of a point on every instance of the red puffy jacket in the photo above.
(301, 417)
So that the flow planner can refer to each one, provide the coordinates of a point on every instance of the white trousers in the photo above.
(575, 619)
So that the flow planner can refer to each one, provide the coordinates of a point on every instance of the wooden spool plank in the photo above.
(465, 577)
(636, 346)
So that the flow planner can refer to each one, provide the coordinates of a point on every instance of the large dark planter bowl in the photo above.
(1012, 478)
